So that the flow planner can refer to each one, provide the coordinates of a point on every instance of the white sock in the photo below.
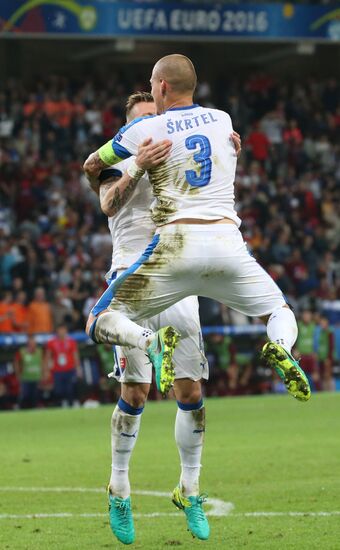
(114, 328)
(124, 432)
(189, 435)
(282, 328)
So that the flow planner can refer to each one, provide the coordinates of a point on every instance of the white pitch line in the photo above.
(217, 507)
(293, 514)
(52, 489)
(71, 515)
(165, 514)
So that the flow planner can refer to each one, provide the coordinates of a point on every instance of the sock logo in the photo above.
(129, 435)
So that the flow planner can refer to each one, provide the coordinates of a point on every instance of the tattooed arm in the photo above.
(236, 139)
(92, 168)
(114, 193)
(149, 155)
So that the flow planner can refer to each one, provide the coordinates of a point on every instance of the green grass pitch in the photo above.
(263, 454)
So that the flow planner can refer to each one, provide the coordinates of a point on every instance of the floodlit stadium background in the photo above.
(64, 77)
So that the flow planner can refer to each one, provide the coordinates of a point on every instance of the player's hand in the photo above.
(236, 139)
(152, 154)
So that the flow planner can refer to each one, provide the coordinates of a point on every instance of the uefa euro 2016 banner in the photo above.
(107, 18)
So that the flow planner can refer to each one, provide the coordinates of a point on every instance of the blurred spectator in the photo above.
(305, 345)
(39, 314)
(292, 134)
(28, 365)
(219, 352)
(324, 345)
(9, 257)
(20, 313)
(62, 361)
(62, 309)
(258, 143)
(106, 358)
(6, 312)
(9, 386)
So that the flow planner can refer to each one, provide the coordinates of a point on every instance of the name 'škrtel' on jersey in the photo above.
(197, 179)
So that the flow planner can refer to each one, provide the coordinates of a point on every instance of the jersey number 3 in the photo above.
(202, 156)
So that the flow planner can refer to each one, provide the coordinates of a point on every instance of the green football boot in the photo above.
(288, 370)
(160, 353)
(196, 519)
(121, 520)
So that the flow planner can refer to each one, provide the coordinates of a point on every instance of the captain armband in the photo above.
(135, 172)
(107, 154)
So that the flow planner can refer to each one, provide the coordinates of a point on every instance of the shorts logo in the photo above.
(122, 363)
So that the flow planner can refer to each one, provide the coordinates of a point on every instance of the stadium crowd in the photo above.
(55, 247)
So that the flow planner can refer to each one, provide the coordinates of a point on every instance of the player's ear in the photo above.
(163, 88)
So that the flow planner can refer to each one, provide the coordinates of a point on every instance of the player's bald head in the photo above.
(178, 71)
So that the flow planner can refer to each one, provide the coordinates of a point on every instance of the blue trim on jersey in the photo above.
(104, 300)
(134, 121)
(123, 129)
(120, 151)
(193, 106)
(118, 370)
(127, 408)
(109, 173)
(115, 282)
(141, 260)
(190, 406)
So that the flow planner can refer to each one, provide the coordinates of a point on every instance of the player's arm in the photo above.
(109, 154)
(92, 168)
(122, 146)
(114, 193)
(236, 139)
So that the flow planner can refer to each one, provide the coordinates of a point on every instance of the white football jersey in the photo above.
(197, 180)
(131, 228)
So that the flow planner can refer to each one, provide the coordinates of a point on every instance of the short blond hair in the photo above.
(137, 97)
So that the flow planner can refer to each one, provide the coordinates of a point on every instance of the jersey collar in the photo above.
(193, 106)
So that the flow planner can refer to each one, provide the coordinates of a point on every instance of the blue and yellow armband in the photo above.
(112, 152)
(107, 154)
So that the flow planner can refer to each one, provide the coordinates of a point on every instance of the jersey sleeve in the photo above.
(124, 144)
(126, 141)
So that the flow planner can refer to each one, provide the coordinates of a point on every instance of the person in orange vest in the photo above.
(6, 312)
(20, 312)
(39, 313)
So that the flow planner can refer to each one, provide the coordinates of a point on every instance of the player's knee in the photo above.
(90, 322)
(265, 318)
(188, 391)
(135, 394)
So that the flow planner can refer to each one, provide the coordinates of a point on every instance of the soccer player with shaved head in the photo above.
(131, 227)
(198, 248)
